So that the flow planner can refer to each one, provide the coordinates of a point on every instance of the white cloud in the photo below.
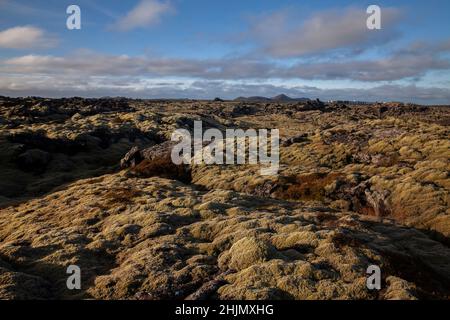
(283, 35)
(406, 64)
(145, 13)
(25, 37)
(87, 73)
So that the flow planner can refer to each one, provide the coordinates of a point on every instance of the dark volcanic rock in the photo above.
(154, 153)
(34, 160)
(155, 161)
(242, 110)
(296, 139)
(38, 140)
(132, 158)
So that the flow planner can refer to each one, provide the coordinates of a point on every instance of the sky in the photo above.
(202, 49)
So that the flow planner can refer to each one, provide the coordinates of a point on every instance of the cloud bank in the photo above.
(413, 62)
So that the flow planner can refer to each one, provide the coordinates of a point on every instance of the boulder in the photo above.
(155, 161)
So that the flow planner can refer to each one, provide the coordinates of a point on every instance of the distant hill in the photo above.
(253, 99)
(279, 98)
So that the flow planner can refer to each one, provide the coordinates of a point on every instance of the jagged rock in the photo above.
(377, 201)
(155, 161)
(367, 201)
(132, 158)
(312, 105)
(157, 152)
(242, 110)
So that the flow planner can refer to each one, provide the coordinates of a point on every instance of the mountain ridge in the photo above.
(279, 98)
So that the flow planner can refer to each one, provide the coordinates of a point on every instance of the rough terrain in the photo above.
(358, 185)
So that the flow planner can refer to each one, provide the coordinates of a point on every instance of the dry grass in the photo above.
(122, 195)
(308, 186)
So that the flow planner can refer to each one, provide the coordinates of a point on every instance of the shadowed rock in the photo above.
(34, 160)
(295, 139)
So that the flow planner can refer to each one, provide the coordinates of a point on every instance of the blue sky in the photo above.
(204, 48)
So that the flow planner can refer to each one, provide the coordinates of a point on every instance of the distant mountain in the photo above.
(282, 98)
(253, 99)
(279, 98)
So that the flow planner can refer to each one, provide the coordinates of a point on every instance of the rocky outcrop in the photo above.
(155, 161)
(155, 153)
